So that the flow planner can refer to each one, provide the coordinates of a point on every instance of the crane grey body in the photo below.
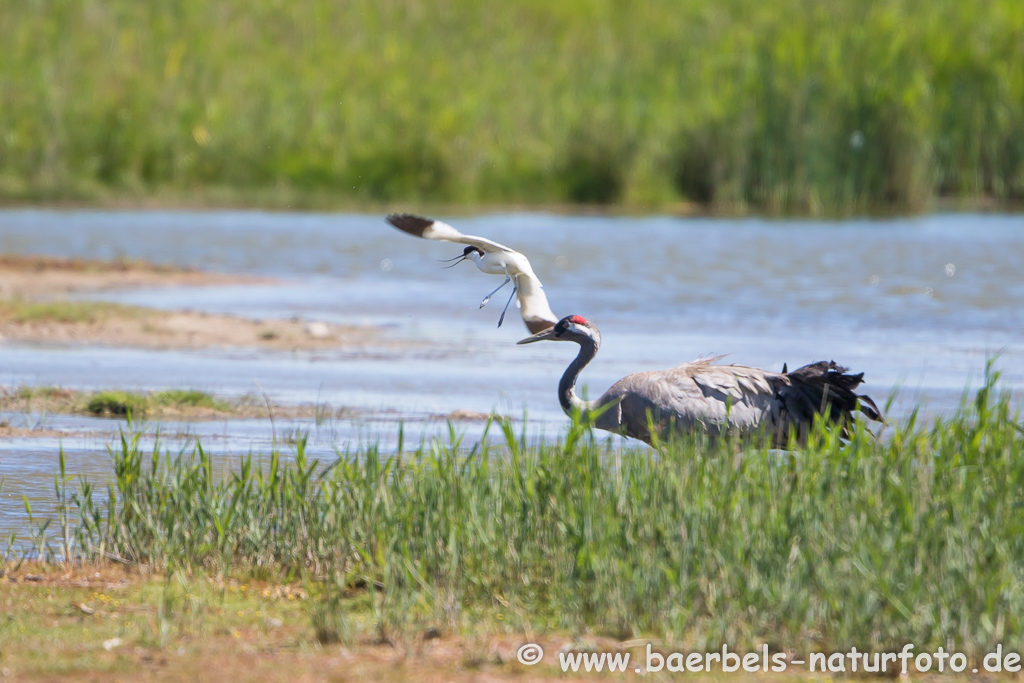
(491, 258)
(702, 396)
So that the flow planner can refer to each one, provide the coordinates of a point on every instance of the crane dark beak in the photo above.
(540, 336)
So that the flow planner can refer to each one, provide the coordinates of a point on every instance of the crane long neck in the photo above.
(567, 386)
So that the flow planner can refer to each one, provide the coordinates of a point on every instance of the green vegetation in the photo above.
(915, 537)
(63, 311)
(139, 405)
(785, 105)
(117, 403)
(27, 393)
(188, 397)
(174, 403)
(58, 622)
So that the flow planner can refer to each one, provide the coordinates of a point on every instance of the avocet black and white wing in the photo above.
(442, 232)
(492, 258)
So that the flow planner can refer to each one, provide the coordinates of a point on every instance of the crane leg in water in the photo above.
(508, 279)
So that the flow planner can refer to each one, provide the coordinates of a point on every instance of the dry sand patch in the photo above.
(34, 309)
(33, 277)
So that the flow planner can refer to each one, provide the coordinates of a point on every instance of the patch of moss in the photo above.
(123, 402)
(189, 397)
(64, 311)
(118, 403)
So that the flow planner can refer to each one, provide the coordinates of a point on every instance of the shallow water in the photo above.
(919, 303)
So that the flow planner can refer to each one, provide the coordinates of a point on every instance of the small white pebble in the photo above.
(318, 330)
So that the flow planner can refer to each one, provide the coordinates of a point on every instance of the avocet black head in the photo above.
(472, 252)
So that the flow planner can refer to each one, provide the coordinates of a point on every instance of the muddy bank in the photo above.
(34, 308)
(23, 411)
(8, 431)
(171, 404)
(33, 277)
(110, 325)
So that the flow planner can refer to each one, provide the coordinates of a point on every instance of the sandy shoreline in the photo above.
(34, 277)
(151, 329)
(34, 308)
(21, 407)
(59, 400)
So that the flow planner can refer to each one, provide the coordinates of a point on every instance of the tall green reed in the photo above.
(915, 537)
(787, 105)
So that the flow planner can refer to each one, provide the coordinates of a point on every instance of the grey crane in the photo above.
(703, 396)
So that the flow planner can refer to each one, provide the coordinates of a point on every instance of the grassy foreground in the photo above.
(916, 537)
(785, 105)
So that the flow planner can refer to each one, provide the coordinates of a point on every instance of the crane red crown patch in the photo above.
(578, 319)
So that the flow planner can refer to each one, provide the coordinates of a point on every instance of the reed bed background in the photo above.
(737, 105)
(874, 542)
